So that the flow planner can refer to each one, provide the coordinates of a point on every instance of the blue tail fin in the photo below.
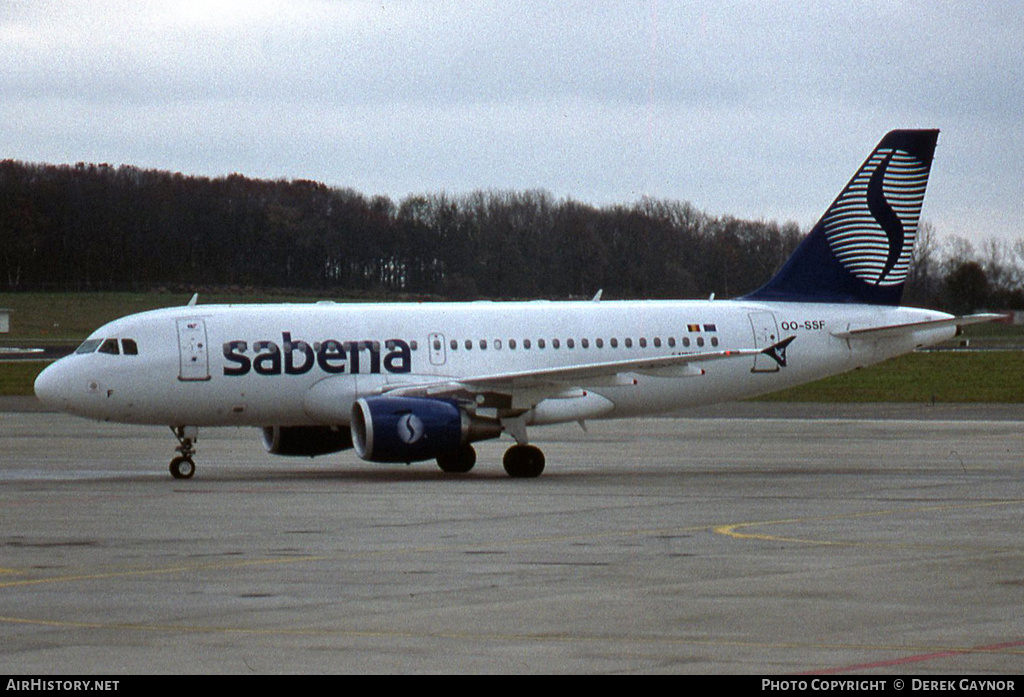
(861, 249)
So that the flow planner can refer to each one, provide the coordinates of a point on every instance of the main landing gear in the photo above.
(459, 461)
(520, 461)
(523, 461)
(182, 466)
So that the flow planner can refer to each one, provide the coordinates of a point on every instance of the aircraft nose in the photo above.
(51, 386)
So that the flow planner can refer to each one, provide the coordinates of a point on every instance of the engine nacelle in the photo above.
(409, 429)
(306, 440)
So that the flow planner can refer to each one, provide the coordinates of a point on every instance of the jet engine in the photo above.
(410, 429)
(306, 440)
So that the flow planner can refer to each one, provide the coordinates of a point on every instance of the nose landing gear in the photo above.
(182, 466)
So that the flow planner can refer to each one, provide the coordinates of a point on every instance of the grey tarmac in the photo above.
(744, 538)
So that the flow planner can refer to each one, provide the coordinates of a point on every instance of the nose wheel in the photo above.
(182, 466)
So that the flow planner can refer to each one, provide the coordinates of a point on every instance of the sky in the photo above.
(760, 110)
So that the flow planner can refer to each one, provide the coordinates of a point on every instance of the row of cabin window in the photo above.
(127, 346)
(571, 343)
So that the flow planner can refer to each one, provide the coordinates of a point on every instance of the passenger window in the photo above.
(599, 343)
(526, 343)
(110, 346)
(469, 344)
(629, 343)
(483, 343)
(497, 344)
(613, 342)
(129, 347)
(512, 344)
(540, 343)
(454, 344)
(585, 343)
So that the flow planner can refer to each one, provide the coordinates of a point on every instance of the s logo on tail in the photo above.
(860, 251)
(872, 226)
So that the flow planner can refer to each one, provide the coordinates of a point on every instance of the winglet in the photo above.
(777, 351)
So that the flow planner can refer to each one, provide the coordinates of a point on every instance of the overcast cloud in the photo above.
(754, 109)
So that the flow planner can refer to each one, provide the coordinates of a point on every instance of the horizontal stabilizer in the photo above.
(898, 329)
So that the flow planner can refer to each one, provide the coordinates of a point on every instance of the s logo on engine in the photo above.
(410, 428)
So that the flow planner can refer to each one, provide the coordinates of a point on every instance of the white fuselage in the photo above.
(306, 364)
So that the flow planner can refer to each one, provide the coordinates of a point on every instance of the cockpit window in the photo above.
(89, 345)
(110, 346)
(128, 347)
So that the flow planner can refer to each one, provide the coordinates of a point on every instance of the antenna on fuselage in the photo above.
(192, 302)
(597, 296)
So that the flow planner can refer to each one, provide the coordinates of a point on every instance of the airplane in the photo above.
(410, 382)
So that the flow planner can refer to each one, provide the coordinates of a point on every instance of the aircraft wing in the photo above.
(896, 329)
(555, 380)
